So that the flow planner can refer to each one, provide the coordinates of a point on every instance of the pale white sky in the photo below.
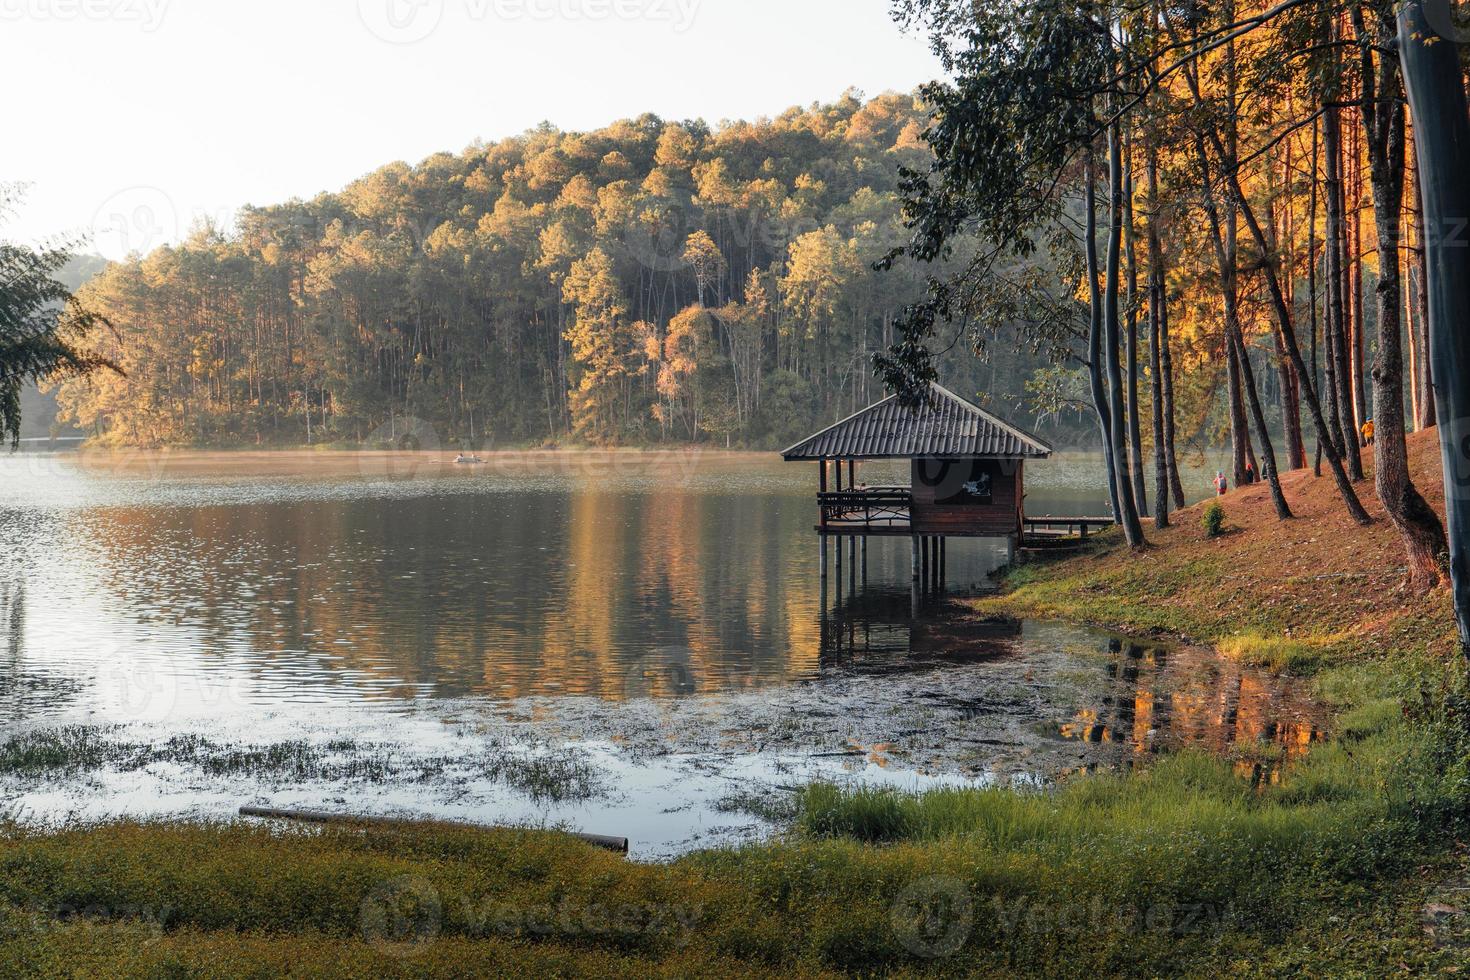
(132, 117)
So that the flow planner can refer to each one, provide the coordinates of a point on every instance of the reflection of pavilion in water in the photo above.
(1159, 699)
(877, 630)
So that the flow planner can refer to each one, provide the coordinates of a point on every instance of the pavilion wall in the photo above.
(936, 481)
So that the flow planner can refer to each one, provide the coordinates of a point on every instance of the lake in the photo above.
(626, 643)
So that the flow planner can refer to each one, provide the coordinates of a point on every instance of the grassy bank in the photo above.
(1298, 594)
(1186, 867)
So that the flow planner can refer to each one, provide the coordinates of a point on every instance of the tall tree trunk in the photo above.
(1314, 404)
(1240, 436)
(1263, 430)
(1425, 378)
(1112, 328)
(1291, 406)
(1156, 335)
(1135, 410)
(1289, 398)
(1339, 361)
(1361, 409)
(1436, 90)
(1383, 128)
(1226, 254)
(1164, 376)
(1095, 338)
(1410, 305)
(1312, 271)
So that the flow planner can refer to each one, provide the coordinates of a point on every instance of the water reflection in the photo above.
(214, 585)
(233, 592)
(1158, 698)
(1134, 700)
(875, 632)
(663, 622)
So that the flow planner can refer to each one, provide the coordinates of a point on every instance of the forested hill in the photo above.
(651, 281)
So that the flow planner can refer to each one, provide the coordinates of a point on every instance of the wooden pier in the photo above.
(1052, 532)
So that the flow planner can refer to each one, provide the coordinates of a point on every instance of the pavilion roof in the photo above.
(948, 427)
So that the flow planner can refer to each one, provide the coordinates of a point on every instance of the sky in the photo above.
(132, 119)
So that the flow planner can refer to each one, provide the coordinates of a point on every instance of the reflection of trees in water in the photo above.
(506, 595)
(24, 692)
(1157, 699)
(13, 617)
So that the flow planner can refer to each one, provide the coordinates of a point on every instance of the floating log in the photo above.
(616, 844)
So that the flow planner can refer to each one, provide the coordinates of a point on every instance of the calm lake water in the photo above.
(627, 643)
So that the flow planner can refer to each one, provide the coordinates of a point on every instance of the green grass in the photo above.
(1280, 654)
(1129, 598)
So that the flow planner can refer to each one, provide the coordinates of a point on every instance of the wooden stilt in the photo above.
(822, 488)
(852, 565)
(943, 561)
(838, 542)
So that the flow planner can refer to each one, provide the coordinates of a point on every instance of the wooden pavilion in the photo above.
(967, 475)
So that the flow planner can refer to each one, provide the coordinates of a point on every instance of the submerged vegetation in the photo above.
(552, 774)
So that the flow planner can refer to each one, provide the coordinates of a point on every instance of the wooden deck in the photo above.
(878, 511)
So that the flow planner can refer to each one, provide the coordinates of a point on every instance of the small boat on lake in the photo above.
(464, 460)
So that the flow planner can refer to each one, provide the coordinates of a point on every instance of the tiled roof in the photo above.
(948, 427)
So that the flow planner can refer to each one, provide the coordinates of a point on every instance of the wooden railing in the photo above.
(866, 507)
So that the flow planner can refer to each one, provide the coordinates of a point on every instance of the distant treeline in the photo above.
(650, 281)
